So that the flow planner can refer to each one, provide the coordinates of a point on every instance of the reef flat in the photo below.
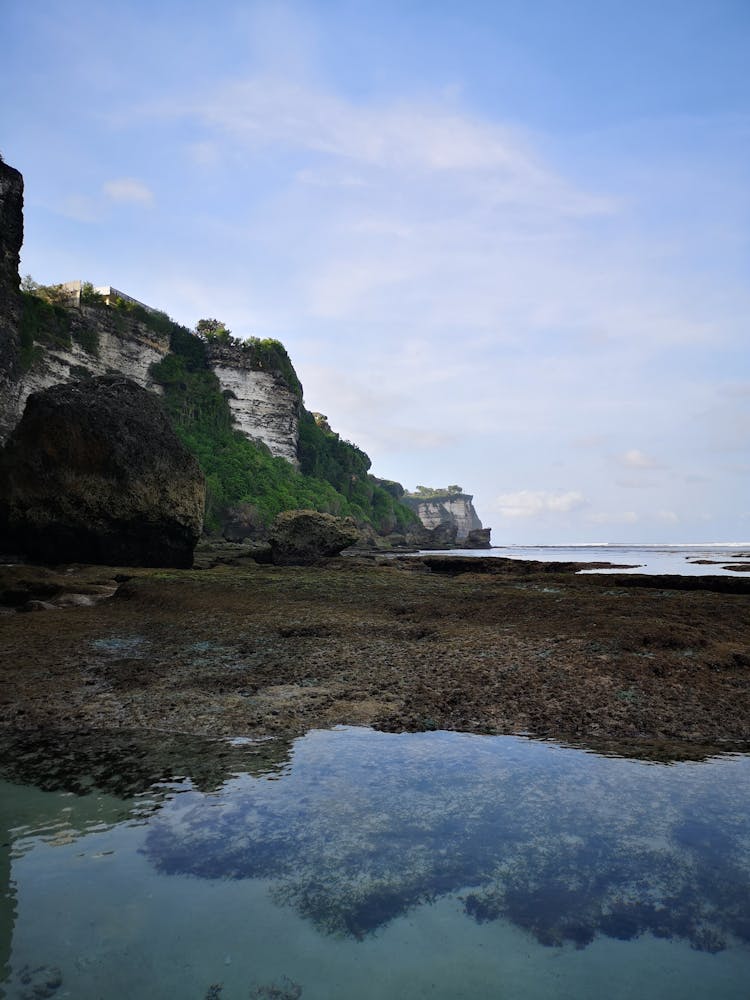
(259, 650)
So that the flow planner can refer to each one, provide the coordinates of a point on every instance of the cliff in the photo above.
(236, 405)
(445, 510)
(60, 344)
(265, 407)
(11, 238)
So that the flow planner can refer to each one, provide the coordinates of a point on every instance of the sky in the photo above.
(505, 243)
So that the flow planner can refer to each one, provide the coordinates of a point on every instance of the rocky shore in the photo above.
(397, 644)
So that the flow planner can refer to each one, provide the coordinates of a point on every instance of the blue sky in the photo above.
(505, 244)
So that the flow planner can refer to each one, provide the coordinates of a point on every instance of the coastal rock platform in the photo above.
(259, 650)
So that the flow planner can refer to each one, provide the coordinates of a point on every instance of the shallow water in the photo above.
(684, 560)
(351, 863)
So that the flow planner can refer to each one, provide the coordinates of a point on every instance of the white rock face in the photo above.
(264, 407)
(457, 510)
(129, 351)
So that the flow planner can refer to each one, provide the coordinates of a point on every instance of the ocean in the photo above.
(691, 559)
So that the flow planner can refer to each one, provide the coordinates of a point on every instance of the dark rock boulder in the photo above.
(243, 522)
(11, 238)
(442, 536)
(303, 537)
(94, 473)
(479, 538)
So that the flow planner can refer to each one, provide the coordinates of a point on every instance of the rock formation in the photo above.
(479, 538)
(99, 340)
(94, 473)
(304, 537)
(11, 238)
(65, 333)
(124, 345)
(265, 408)
(445, 510)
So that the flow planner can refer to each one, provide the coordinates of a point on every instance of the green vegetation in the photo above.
(270, 355)
(240, 472)
(334, 474)
(213, 329)
(46, 321)
(261, 355)
(323, 454)
(154, 319)
(430, 493)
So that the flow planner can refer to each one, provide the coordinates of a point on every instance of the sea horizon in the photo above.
(668, 558)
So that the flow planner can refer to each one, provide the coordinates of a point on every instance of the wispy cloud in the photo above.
(454, 289)
(533, 503)
(634, 458)
(401, 136)
(128, 189)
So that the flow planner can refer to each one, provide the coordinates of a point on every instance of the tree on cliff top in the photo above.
(429, 491)
(213, 330)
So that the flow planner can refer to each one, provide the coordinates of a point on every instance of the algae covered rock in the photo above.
(303, 537)
(95, 473)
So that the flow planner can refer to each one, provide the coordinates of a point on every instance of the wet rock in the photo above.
(304, 537)
(242, 523)
(211, 553)
(479, 538)
(94, 473)
(442, 536)
(38, 606)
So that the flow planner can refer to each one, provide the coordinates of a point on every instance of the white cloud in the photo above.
(128, 189)
(404, 136)
(470, 296)
(636, 459)
(533, 503)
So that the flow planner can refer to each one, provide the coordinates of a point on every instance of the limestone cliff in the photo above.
(51, 337)
(115, 344)
(264, 406)
(446, 510)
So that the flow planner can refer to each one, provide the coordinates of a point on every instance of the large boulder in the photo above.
(304, 537)
(94, 473)
(479, 538)
(442, 536)
(243, 522)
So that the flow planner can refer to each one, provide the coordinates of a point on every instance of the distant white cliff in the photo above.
(446, 510)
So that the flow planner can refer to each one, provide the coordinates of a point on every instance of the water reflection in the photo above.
(564, 844)
(352, 829)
